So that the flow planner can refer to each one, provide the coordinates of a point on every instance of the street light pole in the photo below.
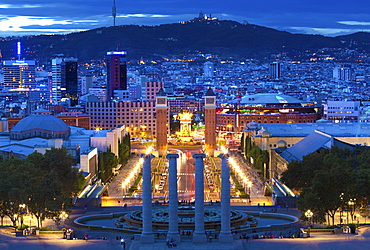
(309, 215)
(22, 207)
(63, 216)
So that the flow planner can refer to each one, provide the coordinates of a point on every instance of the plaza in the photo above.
(316, 241)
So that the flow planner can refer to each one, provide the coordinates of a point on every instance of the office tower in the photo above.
(208, 69)
(274, 70)
(64, 80)
(56, 69)
(19, 74)
(86, 84)
(71, 80)
(117, 72)
(342, 73)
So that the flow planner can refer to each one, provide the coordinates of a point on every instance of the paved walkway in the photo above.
(345, 241)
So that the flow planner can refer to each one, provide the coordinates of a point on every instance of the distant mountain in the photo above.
(223, 38)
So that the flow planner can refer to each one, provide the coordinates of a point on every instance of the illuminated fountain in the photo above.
(186, 218)
(185, 134)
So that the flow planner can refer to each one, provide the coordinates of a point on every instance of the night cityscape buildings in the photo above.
(116, 72)
(19, 74)
(288, 109)
(64, 80)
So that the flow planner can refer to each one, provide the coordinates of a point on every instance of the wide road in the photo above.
(186, 175)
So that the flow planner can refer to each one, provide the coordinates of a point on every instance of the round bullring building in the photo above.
(264, 108)
(40, 124)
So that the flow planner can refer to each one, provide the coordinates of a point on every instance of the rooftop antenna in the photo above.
(114, 12)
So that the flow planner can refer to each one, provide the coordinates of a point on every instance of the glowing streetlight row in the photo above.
(237, 170)
(135, 171)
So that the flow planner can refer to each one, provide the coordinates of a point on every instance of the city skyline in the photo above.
(330, 18)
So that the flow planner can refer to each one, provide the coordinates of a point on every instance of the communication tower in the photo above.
(114, 12)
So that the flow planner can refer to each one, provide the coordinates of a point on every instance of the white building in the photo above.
(208, 69)
(342, 111)
(342, 73)
(275, 70)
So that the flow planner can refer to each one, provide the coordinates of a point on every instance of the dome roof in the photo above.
(41, 111)
(252, 125)
(260, 132)
(44, 122)
(281, 144)
(266, 133)
(266, 98)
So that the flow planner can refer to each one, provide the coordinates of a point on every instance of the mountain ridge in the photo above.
(225, 38)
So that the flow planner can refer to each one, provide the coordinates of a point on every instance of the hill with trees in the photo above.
(228, 39)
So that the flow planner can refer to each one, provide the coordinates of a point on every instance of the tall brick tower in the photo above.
(161, 122)
(210, 122)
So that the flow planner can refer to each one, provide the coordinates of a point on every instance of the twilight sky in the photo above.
(325, 17)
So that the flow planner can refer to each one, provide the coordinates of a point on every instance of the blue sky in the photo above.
(325, 17)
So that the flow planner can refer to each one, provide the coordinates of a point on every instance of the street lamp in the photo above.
(63, 216)
(351, 204)
(21, 208)
(309, 215)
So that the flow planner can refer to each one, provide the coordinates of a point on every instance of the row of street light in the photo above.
(239, 173)
(132, 176)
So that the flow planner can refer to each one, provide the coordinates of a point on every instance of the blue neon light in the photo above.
(116, 53)
(18, 48)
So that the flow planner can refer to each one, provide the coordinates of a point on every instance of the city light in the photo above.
(63, 215)
(239, 173)
(134, 172)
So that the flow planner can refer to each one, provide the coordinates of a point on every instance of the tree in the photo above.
(107, 161)
(45, 197)
(45, 183)
(241, 147)
(331, 179)
(260, 157)
(14, 175)
(123, 152)
(301, 173)
(127, 140)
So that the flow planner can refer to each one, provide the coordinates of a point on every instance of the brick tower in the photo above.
(161, 122)
(210, 122)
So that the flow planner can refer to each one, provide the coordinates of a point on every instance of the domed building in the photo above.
(40, 124)
(41, 131)
(264, 108)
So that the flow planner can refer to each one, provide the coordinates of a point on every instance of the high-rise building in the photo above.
(208, 69)
(71, 80)
(275, 70)
(19, 74)
(56, 79)
(342, 73)
(64, 79)
(117, 72)
(86, 84)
